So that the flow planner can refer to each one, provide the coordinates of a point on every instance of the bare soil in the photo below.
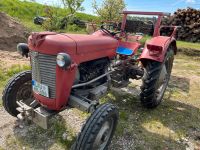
(11, 33)
(8, 59)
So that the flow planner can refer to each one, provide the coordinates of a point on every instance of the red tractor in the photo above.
(73, 70)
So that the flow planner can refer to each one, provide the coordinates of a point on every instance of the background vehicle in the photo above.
(39, 20)
(77, 70)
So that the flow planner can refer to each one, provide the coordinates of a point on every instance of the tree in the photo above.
(109, 9)
(52, 23)
(73, 5)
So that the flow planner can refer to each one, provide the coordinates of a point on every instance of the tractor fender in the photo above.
(156, 48)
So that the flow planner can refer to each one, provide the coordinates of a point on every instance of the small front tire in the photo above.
(98, 130)
(18, 88)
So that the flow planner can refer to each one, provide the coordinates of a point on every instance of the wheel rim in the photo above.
(163, 81)
(164, 76)
(104, 135)
(25, 94)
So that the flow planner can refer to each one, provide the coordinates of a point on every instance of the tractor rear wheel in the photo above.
(18, 88)
(98, 130)
(155, 80)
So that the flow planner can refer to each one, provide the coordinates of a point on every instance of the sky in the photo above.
(140, 5)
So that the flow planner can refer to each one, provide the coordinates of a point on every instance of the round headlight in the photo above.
(63, 60)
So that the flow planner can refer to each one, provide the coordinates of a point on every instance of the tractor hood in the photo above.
(93, 43)
(53, 43)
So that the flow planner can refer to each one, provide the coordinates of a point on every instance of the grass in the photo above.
(180, 44)
(31, 26)
(172, 125)
(6, 74)
(188, 45)
(26, 11)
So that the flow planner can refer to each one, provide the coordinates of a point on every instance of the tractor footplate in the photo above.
(39, 115)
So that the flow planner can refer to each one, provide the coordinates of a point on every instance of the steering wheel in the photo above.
(109, 32)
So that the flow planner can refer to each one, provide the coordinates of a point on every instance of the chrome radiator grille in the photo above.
(44, 71)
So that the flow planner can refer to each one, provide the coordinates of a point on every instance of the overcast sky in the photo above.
(145, 5)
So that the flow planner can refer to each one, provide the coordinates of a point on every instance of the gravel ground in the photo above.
(173, 125)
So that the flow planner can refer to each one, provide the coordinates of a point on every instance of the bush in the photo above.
(53, 19)
(74, 28)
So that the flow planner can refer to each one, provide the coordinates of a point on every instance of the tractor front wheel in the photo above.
(19, 88)
(98, 130)
(155, 80)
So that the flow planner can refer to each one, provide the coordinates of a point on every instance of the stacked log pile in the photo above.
(189, 20)
(135, 26)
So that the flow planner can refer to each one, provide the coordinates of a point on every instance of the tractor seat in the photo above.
(127, 48)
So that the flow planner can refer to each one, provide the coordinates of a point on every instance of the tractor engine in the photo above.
(90, 70)
(87, 72)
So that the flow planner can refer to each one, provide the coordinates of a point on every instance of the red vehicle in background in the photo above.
(77, 70)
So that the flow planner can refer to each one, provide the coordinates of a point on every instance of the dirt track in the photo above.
(8, 59)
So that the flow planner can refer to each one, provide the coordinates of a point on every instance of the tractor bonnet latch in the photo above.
(38, 37)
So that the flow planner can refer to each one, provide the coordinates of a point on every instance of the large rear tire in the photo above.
(18, 88)
(155, 80)
(98, 130)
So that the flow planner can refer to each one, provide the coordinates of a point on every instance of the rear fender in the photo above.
(156, 48)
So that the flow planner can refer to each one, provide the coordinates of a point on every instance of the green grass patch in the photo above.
(165, 127)
(188, 45)
(26, 11)
(180, 44)
(31, 26)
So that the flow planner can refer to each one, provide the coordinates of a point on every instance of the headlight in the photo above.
(63, 60)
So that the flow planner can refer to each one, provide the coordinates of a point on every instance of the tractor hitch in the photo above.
(39, 115)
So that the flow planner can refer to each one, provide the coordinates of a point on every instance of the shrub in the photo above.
(73, 28)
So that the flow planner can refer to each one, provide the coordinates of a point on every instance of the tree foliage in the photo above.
(109, 9)
(52, 23)
(73, 5)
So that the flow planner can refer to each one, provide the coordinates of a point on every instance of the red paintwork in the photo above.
(158, 40)
(161, 41)
(93, 43)
(81, 48)
(146, 13)
(84, 48)
(134, 38)
(63, 89)
(157, 25)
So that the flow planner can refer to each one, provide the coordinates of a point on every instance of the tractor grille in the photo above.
(44, 71)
